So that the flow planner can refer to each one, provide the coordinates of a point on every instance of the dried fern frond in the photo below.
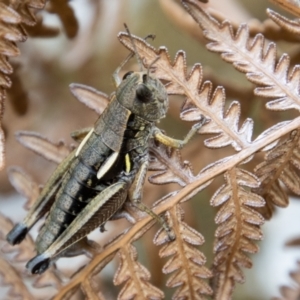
(169, 166)
(274, 80)
(24, 185)
(11, 277)
(54, 152)
(204, 102)
(89, 96)
(12, 17)
(187, 261)
(16, 256)
(237, 200)
(17, 19)
(283, 22)
(291, 292)
(9, 20)
(281, 165)
(135, 276)
(66, 14)
(239, 224)
(289, 5)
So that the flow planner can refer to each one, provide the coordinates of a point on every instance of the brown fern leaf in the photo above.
(289, 5)
(12, 16)
(238, 226)
(24, 185)
(238, 138)
(259, 66)
(283, 22)
(89, 96)
(294, 242)
(21, 253)
(9, 19)
(27, 10)
(10, 34)
(169, 165)
(65, 12)
(187, 261)
(199, 103)
(11, 277)
(40, 30)
(42, 146)
(281, 165)
(89, 291)
(135, 276)
(291, 293)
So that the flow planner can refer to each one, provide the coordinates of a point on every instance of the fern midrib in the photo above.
(127, 252)
(184, 261)
(226, 283)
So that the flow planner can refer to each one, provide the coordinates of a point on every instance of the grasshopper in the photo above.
(108, 168)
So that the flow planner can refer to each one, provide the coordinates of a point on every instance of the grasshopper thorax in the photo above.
(144, 95)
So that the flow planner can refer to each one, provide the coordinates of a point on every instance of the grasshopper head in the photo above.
(144, 95)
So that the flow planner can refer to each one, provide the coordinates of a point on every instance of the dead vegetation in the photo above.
(245, 174)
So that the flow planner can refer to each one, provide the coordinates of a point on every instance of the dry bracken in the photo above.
(259, 161)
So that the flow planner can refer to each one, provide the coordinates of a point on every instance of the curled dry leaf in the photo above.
(239, 224)
(281, 165)
(187, 261)
(42, 146)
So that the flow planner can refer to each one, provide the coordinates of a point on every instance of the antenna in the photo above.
(134, 48)
(152, 36)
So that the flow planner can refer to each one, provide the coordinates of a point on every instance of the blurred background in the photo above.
(81, 46)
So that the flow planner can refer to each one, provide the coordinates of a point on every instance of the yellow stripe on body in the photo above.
(127, 163)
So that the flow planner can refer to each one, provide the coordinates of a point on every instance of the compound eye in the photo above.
(127, 74)
(145, 78)
(143, 93)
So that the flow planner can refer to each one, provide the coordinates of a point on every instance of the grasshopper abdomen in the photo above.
(79, 186)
